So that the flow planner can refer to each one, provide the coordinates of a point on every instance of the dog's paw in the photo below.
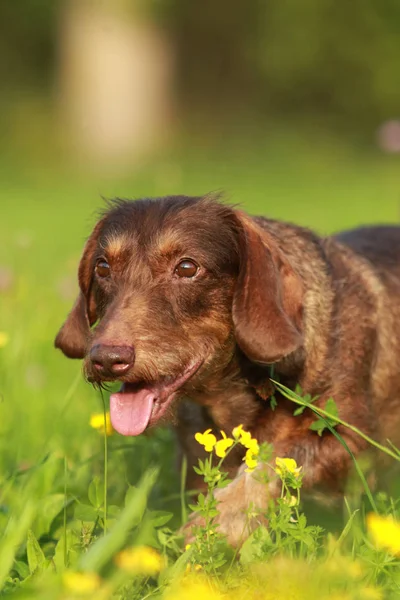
(240, 510)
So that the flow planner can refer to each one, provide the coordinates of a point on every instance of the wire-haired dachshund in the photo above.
(188, 298)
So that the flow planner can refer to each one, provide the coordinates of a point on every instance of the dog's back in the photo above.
(379, 244)
(378, 248)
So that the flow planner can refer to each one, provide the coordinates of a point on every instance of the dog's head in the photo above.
(169, 289)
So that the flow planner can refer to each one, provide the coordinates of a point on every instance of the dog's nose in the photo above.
(112, 360)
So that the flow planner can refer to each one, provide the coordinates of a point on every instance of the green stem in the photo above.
(105, 462)
(65, 513)
(182, 490)
(321, 412)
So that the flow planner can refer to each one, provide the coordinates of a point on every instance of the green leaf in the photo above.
(347, 528)
(49, 507)
(158, 518)
(299, 411)
(297, 390)
(113, 511)
(85, 512)
(73, 543)
(15, 532)
(36, 558)
(96, 493)
(318, 426)
(331, 408)
(22, 569)
(252, 549)
(322, 423)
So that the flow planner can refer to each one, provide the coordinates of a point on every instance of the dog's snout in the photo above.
(112, 360)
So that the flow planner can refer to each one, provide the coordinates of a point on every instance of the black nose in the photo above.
(112, 360)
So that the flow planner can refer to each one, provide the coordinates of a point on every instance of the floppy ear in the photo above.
(73, 336)
(267, 303)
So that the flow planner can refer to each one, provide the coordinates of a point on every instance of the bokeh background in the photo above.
(292, 108)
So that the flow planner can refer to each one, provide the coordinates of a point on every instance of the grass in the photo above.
(52, 462)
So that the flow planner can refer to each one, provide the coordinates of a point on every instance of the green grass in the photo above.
(45, 405)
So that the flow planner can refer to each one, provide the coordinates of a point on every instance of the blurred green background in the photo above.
(290, 107)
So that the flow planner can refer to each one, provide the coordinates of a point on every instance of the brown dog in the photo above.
(191, 298)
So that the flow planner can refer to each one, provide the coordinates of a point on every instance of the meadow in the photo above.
(64, 518)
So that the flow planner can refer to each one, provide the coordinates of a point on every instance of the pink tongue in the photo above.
(130, 412)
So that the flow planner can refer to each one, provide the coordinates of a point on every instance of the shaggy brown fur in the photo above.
(324, 311)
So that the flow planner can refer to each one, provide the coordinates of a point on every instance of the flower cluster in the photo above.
(287, 467)
(221, 447)
(251, 445)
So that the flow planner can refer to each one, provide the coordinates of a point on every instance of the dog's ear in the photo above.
(267, 303)
(73, 336)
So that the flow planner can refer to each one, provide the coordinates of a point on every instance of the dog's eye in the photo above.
(103, 268)
(186, 268)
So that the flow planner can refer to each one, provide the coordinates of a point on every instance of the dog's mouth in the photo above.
(139, 405)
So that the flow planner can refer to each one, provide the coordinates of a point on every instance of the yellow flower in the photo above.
(141, 560)
(81, 583)
(285, 466)
(385, 532)
(4, 339)
(244, 437)
(222, 445)
(206, 439)
(251, 460)
(238, 431)
(97, 422)
(251, 444)
(239, 434)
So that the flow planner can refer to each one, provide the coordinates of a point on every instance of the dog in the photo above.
(190, 298)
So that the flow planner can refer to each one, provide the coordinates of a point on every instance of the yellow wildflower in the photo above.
(285, 466)
(206, 439)
(97, 422)
(141, 560)
(244, 437)
(239, 433)
(81, 583)
(385, 532)
(251, 444)
(222, 445)
(251, 460)
(4, 339)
